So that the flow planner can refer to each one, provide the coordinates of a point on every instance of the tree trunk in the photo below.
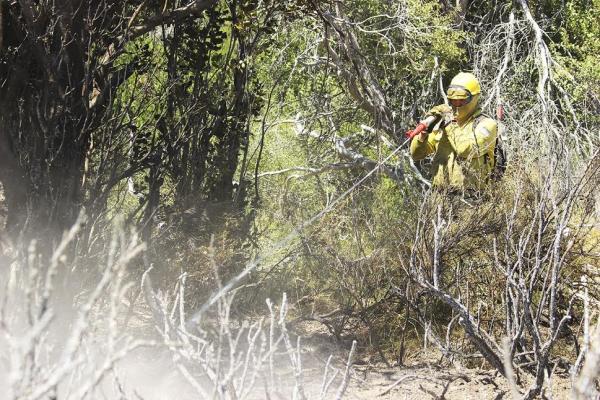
(44, 106)
(42, 184)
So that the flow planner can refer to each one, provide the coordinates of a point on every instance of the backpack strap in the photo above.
(480, 117)
(498, 152)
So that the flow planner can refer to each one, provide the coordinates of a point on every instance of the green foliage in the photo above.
(577, 51)
(403, 49)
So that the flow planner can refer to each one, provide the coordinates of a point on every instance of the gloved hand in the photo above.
(440, 110)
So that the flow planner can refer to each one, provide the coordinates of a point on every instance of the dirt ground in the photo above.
(150, 374)
(154, 377)
(422, 376)
(430, 381)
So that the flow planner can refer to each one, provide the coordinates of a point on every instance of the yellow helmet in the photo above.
(463, 86)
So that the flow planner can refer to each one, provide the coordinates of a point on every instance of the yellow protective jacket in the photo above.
(463, 155)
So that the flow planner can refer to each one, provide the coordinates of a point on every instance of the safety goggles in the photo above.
(459, 102)
(458, 96)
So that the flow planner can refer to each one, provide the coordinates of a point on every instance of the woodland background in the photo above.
(184, 160)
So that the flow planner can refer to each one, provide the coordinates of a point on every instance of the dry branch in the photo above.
(585, 387)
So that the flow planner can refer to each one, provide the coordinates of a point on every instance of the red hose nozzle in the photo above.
(423, 125)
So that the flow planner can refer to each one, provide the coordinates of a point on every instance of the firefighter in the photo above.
(463, 143)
